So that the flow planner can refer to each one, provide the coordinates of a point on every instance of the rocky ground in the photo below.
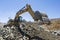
(14, 33)
(30, 31)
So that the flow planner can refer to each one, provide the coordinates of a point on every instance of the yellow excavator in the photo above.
(35, 15)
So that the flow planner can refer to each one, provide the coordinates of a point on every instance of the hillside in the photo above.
(55, 24)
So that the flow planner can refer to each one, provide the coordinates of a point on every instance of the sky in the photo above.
(9, 8)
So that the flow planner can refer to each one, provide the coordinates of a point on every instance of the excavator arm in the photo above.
(27, 8)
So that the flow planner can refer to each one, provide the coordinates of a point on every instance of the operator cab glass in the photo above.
(20, 18)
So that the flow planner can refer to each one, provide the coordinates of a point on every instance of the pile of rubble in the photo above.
(26, 32)
(14, 33)
(9, 34)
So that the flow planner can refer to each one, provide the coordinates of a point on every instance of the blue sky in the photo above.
(8, 8)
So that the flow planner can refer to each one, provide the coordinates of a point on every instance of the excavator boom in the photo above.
(27, 8)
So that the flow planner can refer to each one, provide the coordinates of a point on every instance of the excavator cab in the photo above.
(20, 19)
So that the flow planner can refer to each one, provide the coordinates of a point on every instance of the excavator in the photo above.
(35, 15)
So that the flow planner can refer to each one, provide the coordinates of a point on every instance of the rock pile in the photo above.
(24, 32)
